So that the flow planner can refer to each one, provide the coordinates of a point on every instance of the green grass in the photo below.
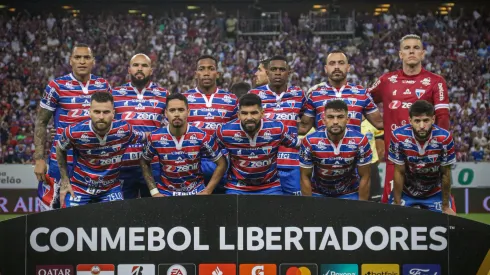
(484, 218)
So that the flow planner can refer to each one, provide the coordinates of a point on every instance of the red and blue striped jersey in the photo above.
(97, 160)
(144, 110)
(422, 162)
(253, 160)
(69, 99)
(209, 111)
(180, 159)
(358, 103)
(335, 165)
(285, 107)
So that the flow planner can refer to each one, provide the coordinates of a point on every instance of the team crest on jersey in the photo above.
(419, 92)
(164, 141)
(154, 102)
(267, 135)
(433, 158)
(267, 149)
(85, 138)
(191, 98)
(227, 99)
(223, 112)
(352, 101)
(237, 137)
(425, 81)
(98, 84)
(120, 133)
(192, 155)
(291, 103)
(116, 147)
(393, 79)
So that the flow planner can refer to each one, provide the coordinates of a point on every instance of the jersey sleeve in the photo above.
(210, 148)
(370, 106)
(65, 141)
(309, 108)
(289, 139)
(364, 153)
(441, 103)
(305, 154)
(448, 152)
(234, 114)
(149, 150)
(375, 90)
(219, 136)
(50, 97)
(395, 153)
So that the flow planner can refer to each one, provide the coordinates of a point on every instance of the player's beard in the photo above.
(100, 126)
(140, 82)
(420, 136)
(337, 76)
(249, 127)
(336, 130)
(178, 123)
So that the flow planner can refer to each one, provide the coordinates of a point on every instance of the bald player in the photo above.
(142, 104)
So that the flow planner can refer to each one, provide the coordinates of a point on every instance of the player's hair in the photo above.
(337, 105)
(250, 100)
(81, 45)
(265, 63)
(410, 36)
(240, 88)
(206, 56)
(338, 51)
(420, 108)
(102, 97)
(278, 57)
(178, 96)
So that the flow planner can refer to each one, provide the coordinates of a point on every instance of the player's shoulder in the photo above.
(98, 78)
(226, 94)
(80, 126)
(357, 90)
(230, 125)
(295, 90)
(403, 130)
(272, 123)
(316, 135)
(353, 133)
(195, 130)
(425, 73)
(63, 78)
(190, 92)
(438, 131)
(259, 89)
(122, 89)
(120, 124)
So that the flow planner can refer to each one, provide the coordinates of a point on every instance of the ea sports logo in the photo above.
(395, 104)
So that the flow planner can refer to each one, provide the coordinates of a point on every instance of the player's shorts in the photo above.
(352, 196)
(432, 203)
(290, 181)
(269, 191)
(134, 185)
(207, 169)
(49, 191)
(389, 174)
(195, 191)
(82, 198)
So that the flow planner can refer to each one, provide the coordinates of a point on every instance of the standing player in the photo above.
(374, 137)
(335, 161)
(98, 147)
(253, 144)
(209, 106)
(398, 90)
(284, 104)
(355, 96)
(142, 104)
(180, 148)
(68, 99)
(422, 153)
(261, 77)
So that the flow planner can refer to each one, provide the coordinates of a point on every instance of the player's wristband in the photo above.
(154, 191)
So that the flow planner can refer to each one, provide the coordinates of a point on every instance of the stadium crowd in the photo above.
(36, 49)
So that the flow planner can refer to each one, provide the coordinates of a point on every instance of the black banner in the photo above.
(245, 235)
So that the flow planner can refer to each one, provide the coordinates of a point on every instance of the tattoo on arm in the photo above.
(62, 164)
(43, 117)
(446, 185)
(147, 175)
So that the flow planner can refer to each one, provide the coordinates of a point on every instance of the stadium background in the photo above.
(36, 38)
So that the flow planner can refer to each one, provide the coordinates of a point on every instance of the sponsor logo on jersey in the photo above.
(419, 93)
(393, 79)
(425, 81)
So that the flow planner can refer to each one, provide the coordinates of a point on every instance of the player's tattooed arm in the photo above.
(398, 182)
(305, 181)
(42, 120)
(305, 125)
(148, 176)
(65, 187)
(446, 189)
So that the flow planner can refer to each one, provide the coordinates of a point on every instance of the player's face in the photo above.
(412, 52)
(261, 77)
(206, 73)
(82, 61)
(337, 67)
(422, 126)
(250, 117)
(278, 72)
(335, 121)
(140, 70)
(101, 114)
(177, 113)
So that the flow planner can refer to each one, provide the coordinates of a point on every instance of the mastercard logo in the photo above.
(302, 270)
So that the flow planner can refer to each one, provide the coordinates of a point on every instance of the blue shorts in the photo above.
(269, 191)
(352, 196)
(113, 194)
(196, 190)
(134, 185)
(432, 203)
(207, 169)
(289, 179)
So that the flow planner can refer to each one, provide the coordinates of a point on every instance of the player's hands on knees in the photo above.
(158, 195)
(40, 170)
(65, 189)
(448, 210)
(205, 192)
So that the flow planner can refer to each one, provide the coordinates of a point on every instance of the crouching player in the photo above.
(98, 145)
(422, 153)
